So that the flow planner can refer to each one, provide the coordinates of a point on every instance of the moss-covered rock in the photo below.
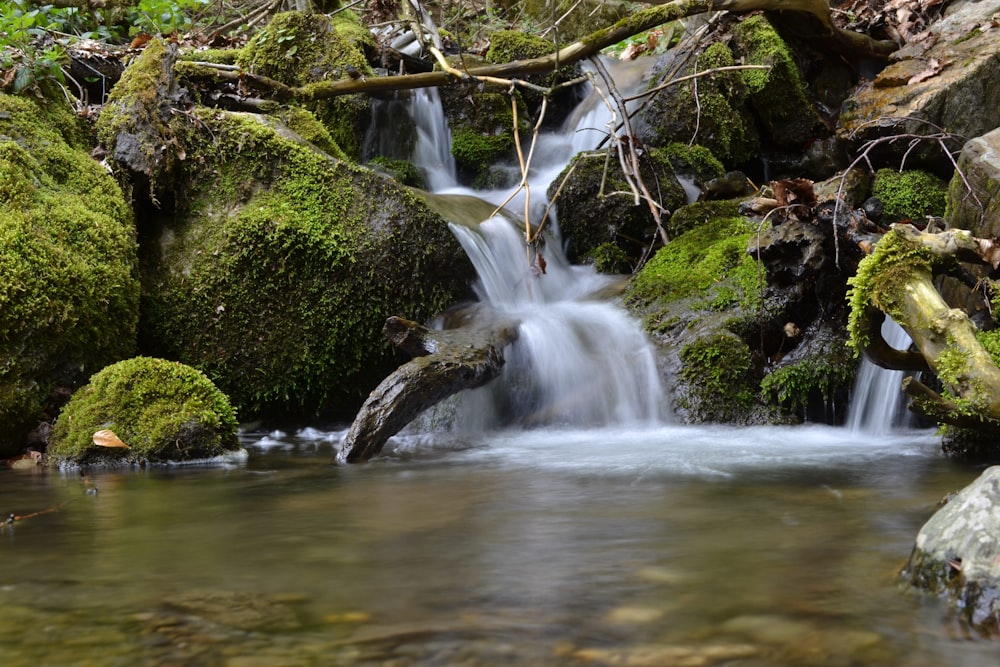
(596, 205)
(695, 162)
(482, 130)
(575, 18)
(510, 45)
(778, 94)
(281, 265)
(814, 379)
(69, 290)
(163, 411)
(910, 195)
(299, 48)
(719, 119)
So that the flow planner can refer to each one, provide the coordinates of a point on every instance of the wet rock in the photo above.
(957, 554)
(980, 165)
(946, 80)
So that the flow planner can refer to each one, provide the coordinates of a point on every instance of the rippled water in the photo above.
(676, 545)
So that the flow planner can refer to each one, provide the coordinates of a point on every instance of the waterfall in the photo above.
(877, 406)
(579, 360)
(432, 151)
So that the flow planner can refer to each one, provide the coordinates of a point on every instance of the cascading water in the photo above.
(877, 405)
(579, 360)
(432, 151)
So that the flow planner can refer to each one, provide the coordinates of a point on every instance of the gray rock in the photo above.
(957, 553)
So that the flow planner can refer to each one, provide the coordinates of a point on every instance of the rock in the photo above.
(957, 553)
(947, 81)
(979, 163)
(69, 294)
(157, 410)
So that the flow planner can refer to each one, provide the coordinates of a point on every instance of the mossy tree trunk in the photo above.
(898, 280)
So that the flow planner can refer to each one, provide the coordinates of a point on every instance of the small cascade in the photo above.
(877, 405)
(579, 361)
(432, 151)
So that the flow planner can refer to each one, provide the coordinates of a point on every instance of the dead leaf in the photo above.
(107, 438)
(934, 67)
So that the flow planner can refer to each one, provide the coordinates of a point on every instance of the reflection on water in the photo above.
(679, 545)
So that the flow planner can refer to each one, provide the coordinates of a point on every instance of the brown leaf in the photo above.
(107, 438)
(934, 67)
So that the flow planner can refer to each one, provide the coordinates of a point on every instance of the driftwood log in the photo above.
(444, 363)
(898, 279)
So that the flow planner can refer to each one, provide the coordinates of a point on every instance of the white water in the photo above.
(432, 151)
(877, 406)
(578, 361)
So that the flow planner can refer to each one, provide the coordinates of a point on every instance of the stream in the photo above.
(670, 545)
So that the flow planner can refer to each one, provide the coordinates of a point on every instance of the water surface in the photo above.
(674, 545)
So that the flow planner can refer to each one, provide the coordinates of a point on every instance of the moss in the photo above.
(68, 286)
(695, 161)
(821, 377)
(609, 258)
(277, 279)
(697, 262)
(778, 94)
(163, 410)
(475, 152)
(300, 48)
(307, 126)
(509, 45)
(910, 194)
(878, 281)
(699, 213)
(403, 171)
(217, 56)
(718, 373)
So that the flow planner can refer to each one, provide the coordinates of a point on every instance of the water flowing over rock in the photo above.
(957, 553)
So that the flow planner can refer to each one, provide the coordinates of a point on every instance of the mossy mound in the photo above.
(909, 195)
(281, 265)
(69, 291)
(299, 48)
(575, 18)
(596, 205)
(163, 411)
(510, 45)
(695, 162)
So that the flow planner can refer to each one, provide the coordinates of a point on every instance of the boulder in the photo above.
(69, 290)
(946, 81)
(957, 554)
(979, 163)
(142, 410)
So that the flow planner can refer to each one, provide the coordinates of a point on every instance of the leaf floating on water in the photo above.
(107, 438)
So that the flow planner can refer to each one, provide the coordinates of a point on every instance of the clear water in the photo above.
(667, 546)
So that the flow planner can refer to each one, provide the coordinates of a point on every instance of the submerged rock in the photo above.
(957, 554)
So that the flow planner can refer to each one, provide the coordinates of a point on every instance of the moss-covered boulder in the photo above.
(510, 45)
(482, 133)
(719, 118)
(69, 289)
(161, 410)
(281, 265)
(909, 195)
(777, 95)
(298, 48)
(596, 205)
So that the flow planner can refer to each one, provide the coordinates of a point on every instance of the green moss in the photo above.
(299, 48)
(696, 161)
(609, 258)
(217, 56)
(700, 213)
(509, 45)
(307, 126)
(878, 281)
(475, 152)
(822, 376)
(403, 171)
(718, 374)
(778, 94)
(697, 262)
(990, 340)
(911, 194)
(162, 410)
(278, 279)
(68, 286)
